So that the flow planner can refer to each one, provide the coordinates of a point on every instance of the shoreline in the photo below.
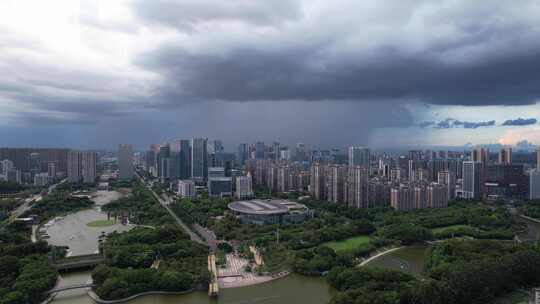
(262, 280)
(99, 300)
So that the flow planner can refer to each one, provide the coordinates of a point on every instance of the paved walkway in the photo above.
(234, 274)
(379, 254)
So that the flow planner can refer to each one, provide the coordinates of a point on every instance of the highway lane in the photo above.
(27, 204)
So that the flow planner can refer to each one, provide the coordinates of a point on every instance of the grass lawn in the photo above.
(101, 223)
(451, 228)
(348, 244)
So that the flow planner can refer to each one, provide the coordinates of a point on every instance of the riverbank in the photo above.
(255, 281)
(99, 300)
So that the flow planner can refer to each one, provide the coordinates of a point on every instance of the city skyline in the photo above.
(368, 73)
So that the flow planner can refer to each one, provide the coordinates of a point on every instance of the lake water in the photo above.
(292, 289)
(409, 259)
(74, 232)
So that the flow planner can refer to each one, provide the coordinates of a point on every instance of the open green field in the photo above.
(348, 244)
(451, 228)
(101, 223)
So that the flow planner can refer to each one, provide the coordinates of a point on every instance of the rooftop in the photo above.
(262, 207)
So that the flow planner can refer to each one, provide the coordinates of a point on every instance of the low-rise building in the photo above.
(269, 211)
(244, 187)
(186, 189)
(220, 186)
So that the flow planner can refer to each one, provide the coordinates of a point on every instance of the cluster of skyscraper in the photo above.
(420, 179)
(195, 162)
(32, 166)
(359, 178)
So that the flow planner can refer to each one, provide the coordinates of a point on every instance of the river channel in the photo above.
(292, 289)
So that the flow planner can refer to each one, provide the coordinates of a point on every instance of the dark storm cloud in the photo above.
(327, 72)
(520, 122)
(247, 75)
(450, 123)
(474, 125)
(483, 62)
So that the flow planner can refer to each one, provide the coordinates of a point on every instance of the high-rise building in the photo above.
(455, 165)
(534, 184)
(217, 146)
(303, 180)
(184, 155)
(480, 154)
(276, 147)
(88, 166)
(357, 187)
(416, 168)
(402, 198)
(42, 179)
(283, 184)
(13, 176)
(420, 197)
(505, 155)
(125, 162)
(285, 154)
(82, 166)
(317, 182)
(150, 163)
(260, 149)
(74, 167)
(359, 156)
(437, 196)
(379, 193)
(506, 180)
(164, 161)
(435, 166)
(199, 160)
(538, 159)
(395, 174)
(35, 162)
(417, 154)
(271, 177)
(301, 152)
(335, 183)
(244, 187)
(448, 180)
(5, 166)
(472, 179)
(51, 170)
(243, 153)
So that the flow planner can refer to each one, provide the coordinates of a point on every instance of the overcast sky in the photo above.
(95, 73)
